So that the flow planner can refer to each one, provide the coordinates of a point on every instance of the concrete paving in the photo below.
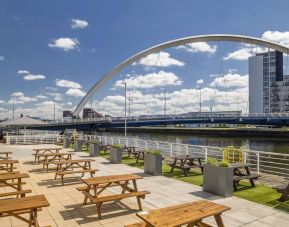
(66, 202)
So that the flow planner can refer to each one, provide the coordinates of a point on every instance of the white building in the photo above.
(265, 96)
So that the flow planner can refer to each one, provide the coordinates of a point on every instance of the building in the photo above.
(89, 113)
(268, 96)
(67, 114)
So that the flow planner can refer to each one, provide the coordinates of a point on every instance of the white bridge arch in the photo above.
(173, 43)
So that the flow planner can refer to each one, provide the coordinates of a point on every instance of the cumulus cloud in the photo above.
(30, 76)
(200, 47)
(20, 98)
(162, 59)
(67, 83)
(57, 96)
(77, 23)
(150, 80)
(241, 54)
(2, 102)
(278, 37)
(201, 81)
(231, 80)
(75, 92)
(66, 44)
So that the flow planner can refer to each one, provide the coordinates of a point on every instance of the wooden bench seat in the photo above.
(62, 173)
(184, 167)
(13, 183)
(144, 224)
(82, 188)
(13, 172)
(22, 193)
(251, 178)
(284, 190)
(109, 198)
(18, 212)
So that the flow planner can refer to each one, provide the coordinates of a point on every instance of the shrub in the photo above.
(224, 164)
(153, 152)
(212, 161)
(117, 146)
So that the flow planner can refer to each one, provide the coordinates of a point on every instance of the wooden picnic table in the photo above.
(41, 151)
(189, 214)
(7, 165)
(139, 155)
(50, 157)
(103, 182)
(5, 155)
(8, 180)
(130, 150)
(239, 174)
(186, 162)
(31, 205)
(64, 167)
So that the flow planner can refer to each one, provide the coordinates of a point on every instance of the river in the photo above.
(260, 144)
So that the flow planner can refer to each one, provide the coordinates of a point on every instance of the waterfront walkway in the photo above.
(66, 202)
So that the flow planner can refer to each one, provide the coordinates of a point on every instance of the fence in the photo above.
(34, 139)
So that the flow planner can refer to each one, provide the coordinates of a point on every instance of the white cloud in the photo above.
(162, 59)
(66, 44)
(30, 76)
(150, 80)
(241, 54)
(67, 83)
(41, 97)
(75, 92)
(20, 98)
(2, 58)
(276, 36)
(77, 23)
(17, 94)
(199, 47)
(201, 81)
(2, 102)
(57, 96)
(230, 80)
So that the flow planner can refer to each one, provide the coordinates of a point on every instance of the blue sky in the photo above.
(59, 49)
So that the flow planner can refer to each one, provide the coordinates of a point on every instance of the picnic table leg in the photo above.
(138, 156)
(98, 207)
(173, 165)
(283, 196)
(137, 198)
(219, 220)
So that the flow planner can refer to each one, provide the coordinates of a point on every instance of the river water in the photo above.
(260, 144)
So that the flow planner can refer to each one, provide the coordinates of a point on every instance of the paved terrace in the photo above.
(66, 202)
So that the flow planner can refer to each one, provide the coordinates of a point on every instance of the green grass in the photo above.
(260, 194)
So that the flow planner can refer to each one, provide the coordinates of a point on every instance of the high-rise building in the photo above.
(267, 95)
(90, 113)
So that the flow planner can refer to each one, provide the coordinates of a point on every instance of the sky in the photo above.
(53, 52)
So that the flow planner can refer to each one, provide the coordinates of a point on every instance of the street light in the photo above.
(125, 110)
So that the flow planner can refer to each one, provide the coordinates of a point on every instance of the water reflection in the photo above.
(260, 144)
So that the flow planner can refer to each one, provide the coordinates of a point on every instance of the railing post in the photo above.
(206, 154)
(146, 144)
(187, 150)
(258, 162)
(171, 151)
(158, 145)
(245, 157)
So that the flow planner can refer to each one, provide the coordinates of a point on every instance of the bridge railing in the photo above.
(272, 166)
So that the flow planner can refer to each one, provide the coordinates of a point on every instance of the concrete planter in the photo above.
(218, 180)
(66, 142)
(78, 145)
(93, 149)
(115, 155)
(153, 164)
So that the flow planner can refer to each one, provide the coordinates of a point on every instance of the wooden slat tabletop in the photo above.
(110, 179)
(13, 176)
(31, 202)
(8, 161)
(73, 161)
(182, 214)
(47, 149)
(6, 152)
(55, 154)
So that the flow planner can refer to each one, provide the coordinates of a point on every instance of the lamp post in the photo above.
(125, 110)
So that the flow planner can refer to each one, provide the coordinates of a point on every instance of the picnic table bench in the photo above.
(130, 150)
(64, 167)
(49, 158)
(189, 214)
(139, 155)
(243, 175)
(8, 165)
(185, 163)
(18, 206)
(16, 186)
(5, 155)
(41, 151)
(104, 182)
(284, 190)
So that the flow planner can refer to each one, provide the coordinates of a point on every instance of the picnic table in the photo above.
(50, 157)
(8, 165)
(139, 155)
(8, 181)
(189, 214)
(5, 154)
(185, 163)
(64, 167)
(41, 151)
(104, 182)
(130, 150)
(239, 174)
(18, 206)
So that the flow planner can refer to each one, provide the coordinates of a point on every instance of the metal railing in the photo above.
(33, 139)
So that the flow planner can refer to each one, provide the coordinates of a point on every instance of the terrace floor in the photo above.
(66, 202)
